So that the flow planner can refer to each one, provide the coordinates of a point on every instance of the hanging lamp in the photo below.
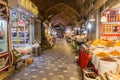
(91, 17)
(104, 18)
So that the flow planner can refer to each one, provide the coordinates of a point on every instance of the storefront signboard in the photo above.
(27, 4)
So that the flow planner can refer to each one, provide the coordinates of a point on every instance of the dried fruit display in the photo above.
(96, 42)
(117, 43)
(115, 53)
(108, 59)
(102, 54)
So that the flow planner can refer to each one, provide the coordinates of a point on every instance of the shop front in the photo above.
(100, 59)
(5, 54)
(22, 15)
(110, 25)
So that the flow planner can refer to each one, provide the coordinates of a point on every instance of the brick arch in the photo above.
(62, 4)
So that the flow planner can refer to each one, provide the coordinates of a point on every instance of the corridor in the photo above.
(54, 64)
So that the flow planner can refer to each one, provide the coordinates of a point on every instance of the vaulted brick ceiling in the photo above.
(74, 9)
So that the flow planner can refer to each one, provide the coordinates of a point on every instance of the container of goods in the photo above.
(107, 64)
(29, 60)
(111, 76)
(98, 57)
(89, 74)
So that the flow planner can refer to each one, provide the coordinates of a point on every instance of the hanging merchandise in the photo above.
(103, 19)
(92, 17)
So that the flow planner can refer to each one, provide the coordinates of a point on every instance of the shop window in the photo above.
(20, 29)
(3, 36)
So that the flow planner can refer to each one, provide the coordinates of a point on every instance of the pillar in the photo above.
(98, 24)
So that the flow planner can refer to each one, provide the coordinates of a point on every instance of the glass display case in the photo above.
(20, 29)
(3, 36)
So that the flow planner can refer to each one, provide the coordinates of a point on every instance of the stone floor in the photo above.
(54, 64)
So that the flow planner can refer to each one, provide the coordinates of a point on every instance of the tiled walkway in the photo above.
(54, 64)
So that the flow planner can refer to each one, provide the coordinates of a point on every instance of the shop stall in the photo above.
(103, 53)
(106, 50)
(110, 25)
(22, 14)
(5, 54)
(76, 37)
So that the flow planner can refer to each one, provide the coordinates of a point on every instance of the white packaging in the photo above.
(105, 66)
(97, 62)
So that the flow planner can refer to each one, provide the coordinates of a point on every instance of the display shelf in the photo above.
(19, 44)
(19, 37)
(17, 40)
(108, 34)
(110, 22)
(19, 30)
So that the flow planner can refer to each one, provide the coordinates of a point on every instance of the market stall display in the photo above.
(104, 58)
(22, 56)
(22, 31)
